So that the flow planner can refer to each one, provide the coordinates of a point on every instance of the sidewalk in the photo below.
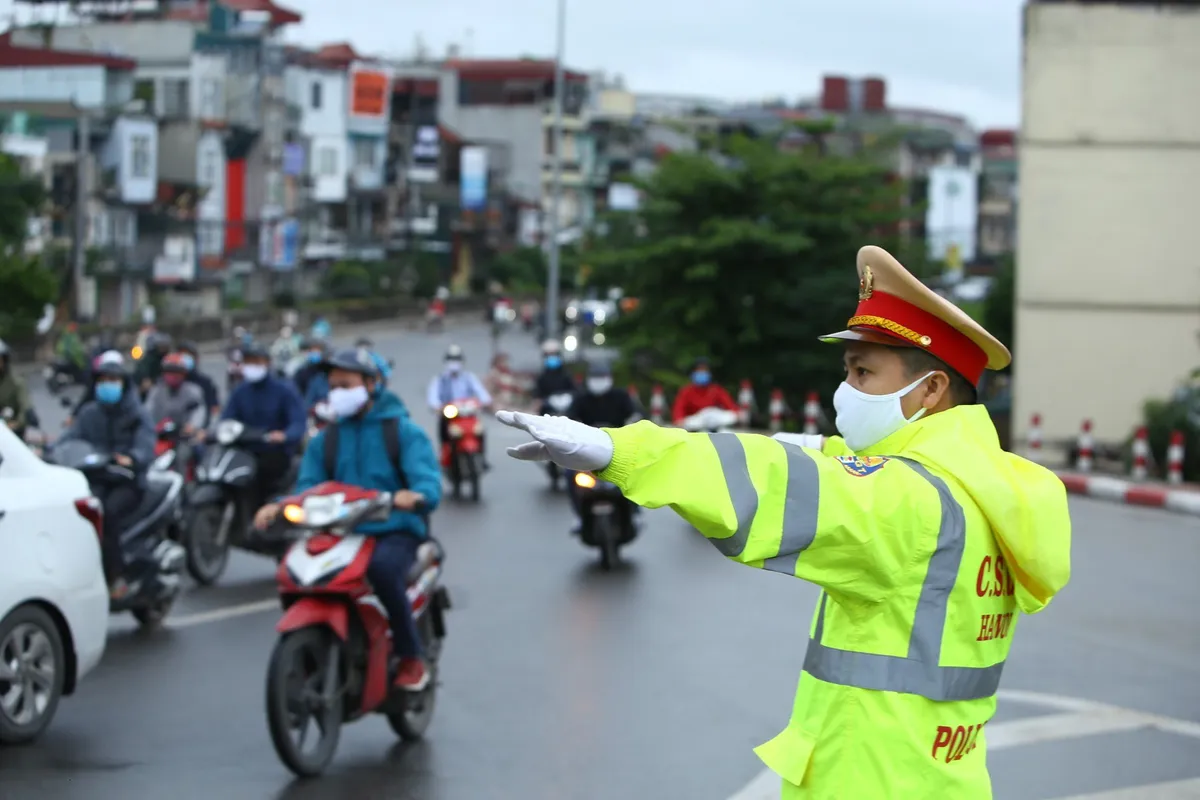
(1183, 499)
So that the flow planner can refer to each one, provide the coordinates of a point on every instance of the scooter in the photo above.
(711, 420)
(462, 455)
(59, 376)
(560, 405)
(172, 453)
(331, 664)
(156, 561)
(222, 504)
(608, 520)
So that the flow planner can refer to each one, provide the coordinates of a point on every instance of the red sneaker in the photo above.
(412, 675)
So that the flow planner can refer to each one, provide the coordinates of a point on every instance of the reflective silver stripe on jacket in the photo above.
(918, 673)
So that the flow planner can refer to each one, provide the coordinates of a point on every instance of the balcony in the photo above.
(570, 121)
(572, 171)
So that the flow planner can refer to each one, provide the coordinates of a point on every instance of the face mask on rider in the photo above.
(599, 385)
(867, 419)
(254, 372)
(701, 377)
(346, 403)
(553, 362)
(109, 392)
(189, 362)
(173, 379)
(454, 366)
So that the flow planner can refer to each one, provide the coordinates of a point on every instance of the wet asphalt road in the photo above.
(561, 681)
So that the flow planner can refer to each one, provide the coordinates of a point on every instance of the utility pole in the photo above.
(82, 180)
(552, 312)
(409, 184)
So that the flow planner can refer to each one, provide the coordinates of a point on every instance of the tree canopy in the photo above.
(745, 254)
(25, 284)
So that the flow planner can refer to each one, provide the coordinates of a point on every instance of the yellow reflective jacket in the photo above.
(925, 555)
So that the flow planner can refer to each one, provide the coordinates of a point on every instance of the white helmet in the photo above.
(551, 347)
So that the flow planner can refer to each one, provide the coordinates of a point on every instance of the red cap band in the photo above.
(888, 314)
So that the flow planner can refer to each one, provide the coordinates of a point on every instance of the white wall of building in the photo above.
(210, 176)
(132, 149)
(86, 86)
(321, 96)
(208, 87)
(1108, 287)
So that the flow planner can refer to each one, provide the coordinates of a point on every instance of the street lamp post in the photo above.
(552, 313)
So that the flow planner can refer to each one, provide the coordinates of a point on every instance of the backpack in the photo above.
(391, 440)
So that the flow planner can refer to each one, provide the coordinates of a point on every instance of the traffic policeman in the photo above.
(927, 539)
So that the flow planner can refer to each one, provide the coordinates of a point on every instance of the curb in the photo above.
(1119, 490)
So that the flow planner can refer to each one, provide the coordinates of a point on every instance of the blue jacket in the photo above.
(317, 389)
(271, 404)
(362, 460)
(123, 428)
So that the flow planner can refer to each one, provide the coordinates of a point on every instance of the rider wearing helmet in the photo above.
(268, 403)
(554, 378)
(311, 370)
(700, 394)
(455, 383)
(366, 416)
(176, 398)
(212, 398)
(149, 366)
(364, 344)
(14, 397)
(113, 421)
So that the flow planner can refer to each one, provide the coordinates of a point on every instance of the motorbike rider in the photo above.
(269, 403)
(363, 409)
(554, 378)
(176, 398)
(284, 348)
(600, 405)
(321, 329)
(149, 366)
(13, 394)
(114, 422)
(314, 352)
(69, 348)
(456, 383)
(212, 397)
(364, 344)
(700, 394)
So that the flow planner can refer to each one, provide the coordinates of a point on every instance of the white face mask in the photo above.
(599, 385)
(254, 372)
(867, 419)
(347, 402)
(453, 367)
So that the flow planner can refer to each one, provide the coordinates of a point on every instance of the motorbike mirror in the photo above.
(584, 480)
(65, 402)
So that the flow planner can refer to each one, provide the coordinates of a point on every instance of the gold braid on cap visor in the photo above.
(891, 327)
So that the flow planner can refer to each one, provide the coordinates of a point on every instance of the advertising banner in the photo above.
(426, 152)
(950, 221)
(369, 89)
(177, 263)
(279, 244)
(473, 168)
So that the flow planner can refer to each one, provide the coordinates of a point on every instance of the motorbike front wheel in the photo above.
(207, 542)
(152, 616)
(604, 531)
(303, 694)
(469, 470)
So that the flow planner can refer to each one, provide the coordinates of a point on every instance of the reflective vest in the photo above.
(925, 557)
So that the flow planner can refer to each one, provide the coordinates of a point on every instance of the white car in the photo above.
(53, 596)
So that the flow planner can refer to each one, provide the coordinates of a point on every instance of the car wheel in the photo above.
(32, 672)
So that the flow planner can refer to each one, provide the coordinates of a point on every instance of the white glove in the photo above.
(564, 441)
(813, 441)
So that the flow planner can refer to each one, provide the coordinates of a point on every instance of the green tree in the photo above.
(24, 284)
(1000, 311)
(746, 255)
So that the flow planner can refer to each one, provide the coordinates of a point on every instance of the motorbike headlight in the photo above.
(136, 352)
(584, 480)
(570, 343)
(293, 514)
(450, 412)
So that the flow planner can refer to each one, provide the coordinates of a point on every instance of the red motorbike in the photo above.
(462, 453)
(171, 451)
(331, 664)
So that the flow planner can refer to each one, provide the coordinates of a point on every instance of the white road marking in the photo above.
(1173, 790)
(1077, 718)
(219, 614)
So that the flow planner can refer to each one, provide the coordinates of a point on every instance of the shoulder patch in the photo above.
(861, 466)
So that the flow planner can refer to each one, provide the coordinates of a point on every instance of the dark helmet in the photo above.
(599, 369)
(701, 363)
(364, 341)
(255, 350)
(160, 340)
(352, 361)
(454, 353)
(189, 347)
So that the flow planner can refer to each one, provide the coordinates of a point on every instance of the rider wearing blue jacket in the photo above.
(362, 459)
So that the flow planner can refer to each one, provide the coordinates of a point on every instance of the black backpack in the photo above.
(391, 440)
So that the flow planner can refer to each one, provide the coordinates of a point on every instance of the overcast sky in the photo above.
(959, 56)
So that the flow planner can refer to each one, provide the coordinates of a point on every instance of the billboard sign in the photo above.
(952, 216)
(473, 167)
(426, 152)
(370, 91)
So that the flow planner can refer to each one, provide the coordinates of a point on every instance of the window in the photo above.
(123, 230)
(211, 237)
(315, 101)
(139, 156)
(208, 169)
(210, 95)
(327, 162)
(364, 153)
(274, 189)
(175, 98)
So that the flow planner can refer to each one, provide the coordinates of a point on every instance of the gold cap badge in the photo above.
(866, 284)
